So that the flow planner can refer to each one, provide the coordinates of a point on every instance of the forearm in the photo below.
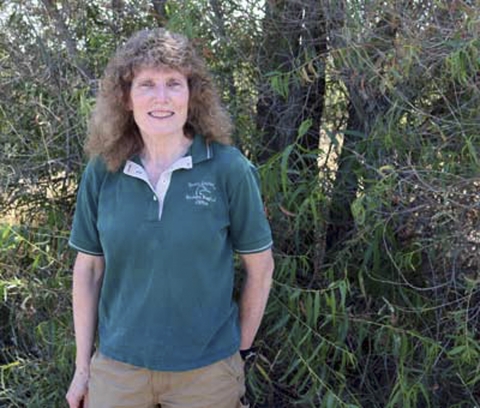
(254, 297)
(87, 280)
(86, 289)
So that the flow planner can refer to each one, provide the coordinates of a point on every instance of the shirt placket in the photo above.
(160, 191)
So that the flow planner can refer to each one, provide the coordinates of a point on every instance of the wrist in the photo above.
(82, 362)
(248, 353)
(82, 370)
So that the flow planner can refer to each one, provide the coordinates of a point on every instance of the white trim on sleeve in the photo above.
(80, 249)
(251, 251)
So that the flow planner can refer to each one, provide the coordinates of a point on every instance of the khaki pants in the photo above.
(114, 384)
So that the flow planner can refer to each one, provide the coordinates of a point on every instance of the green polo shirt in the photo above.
(166, 299)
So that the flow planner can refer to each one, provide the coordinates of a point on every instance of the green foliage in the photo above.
(365, 321)
(36, 336)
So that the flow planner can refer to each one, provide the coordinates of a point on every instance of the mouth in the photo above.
(160, 114)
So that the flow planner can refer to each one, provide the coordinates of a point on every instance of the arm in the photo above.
(87, 280)
(259, 269)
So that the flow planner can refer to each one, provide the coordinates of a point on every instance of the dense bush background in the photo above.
(364, 119)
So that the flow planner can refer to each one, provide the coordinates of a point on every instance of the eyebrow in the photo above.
(149, 78)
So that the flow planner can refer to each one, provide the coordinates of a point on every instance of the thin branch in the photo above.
(69, 40)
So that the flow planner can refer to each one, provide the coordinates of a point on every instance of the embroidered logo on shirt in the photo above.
(201, 193)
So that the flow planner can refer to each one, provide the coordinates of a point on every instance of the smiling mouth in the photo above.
(160, 115)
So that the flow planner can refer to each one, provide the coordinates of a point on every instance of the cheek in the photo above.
(185, 102)
(137, 102)
(181, 103)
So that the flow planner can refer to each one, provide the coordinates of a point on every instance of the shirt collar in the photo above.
(199, 151)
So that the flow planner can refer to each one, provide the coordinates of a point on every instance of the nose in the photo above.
(161, 93)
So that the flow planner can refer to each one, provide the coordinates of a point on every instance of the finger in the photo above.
(74, 398)
(72, 403)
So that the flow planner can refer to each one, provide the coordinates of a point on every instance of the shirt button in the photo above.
(154, 198)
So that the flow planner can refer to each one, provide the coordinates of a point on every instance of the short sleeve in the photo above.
(249, 228)
(84, 235)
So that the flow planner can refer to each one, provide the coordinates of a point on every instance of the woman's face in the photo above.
(159, 102)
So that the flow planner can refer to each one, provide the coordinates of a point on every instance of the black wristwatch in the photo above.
(248, 354)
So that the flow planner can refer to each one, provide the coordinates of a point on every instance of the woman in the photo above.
(162, 206)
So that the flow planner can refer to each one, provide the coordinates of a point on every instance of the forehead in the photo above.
(158, 71)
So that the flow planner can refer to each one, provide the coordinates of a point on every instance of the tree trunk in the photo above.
(294, 34)
(367, 105)
(293, 56)
(160, 12)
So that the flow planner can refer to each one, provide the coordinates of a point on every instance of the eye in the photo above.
(145, 84)
(173, 83)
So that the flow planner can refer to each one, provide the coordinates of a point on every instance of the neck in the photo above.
(160, 153)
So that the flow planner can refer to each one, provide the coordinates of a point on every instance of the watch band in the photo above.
(248, 354)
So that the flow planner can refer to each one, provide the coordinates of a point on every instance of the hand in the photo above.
(77, 395)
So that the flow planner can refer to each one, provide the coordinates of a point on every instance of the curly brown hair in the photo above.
(113, 133)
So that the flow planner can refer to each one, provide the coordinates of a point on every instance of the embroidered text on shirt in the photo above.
(202, 193)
